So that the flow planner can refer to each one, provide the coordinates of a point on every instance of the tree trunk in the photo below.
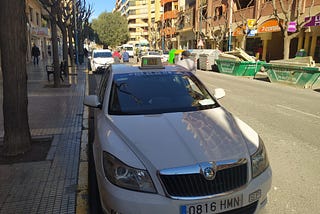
(71, 53)
(243, 42)
(55, 51)
(286, 47)
(13, 43)
(65, 44)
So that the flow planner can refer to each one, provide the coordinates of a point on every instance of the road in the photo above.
(288, 120)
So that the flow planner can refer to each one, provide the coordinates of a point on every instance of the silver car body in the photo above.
(177, 144)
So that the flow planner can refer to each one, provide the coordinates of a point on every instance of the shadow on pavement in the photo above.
(317, 90)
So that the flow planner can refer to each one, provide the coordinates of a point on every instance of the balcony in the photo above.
(163, 2)
(169, 15)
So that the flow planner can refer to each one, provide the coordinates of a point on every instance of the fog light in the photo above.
(255, 196)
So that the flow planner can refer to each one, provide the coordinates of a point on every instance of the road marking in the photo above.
(302, 112)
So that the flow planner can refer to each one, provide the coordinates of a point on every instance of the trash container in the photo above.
(299, 76)
(195, 56)
(207, 59)
(238, 67)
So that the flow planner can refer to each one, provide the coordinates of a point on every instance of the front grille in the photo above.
(195, 185)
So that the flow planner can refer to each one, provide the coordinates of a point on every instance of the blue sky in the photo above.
(100, 6)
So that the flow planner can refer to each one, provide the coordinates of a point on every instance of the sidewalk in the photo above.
(51, 185)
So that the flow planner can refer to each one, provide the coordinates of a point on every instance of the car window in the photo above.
(103, 84)
(102, 54)
(158, 92)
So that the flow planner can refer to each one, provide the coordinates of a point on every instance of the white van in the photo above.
(129, 49)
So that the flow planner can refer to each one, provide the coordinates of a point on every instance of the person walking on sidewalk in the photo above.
(35, 53)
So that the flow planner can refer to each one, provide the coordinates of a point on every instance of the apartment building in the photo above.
(142, 16)
(37, 26)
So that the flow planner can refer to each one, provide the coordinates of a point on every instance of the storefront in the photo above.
(311, 40)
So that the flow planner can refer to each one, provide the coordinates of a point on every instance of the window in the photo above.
(30, 14)
(103, 85)
(37, 19)
(242, 4)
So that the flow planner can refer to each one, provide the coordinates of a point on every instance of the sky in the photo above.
(100, 6)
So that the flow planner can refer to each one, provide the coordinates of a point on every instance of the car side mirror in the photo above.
(219, 93)
(89, 57)
(92, 101)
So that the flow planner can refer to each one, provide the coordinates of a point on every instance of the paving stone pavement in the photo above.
(48, 186)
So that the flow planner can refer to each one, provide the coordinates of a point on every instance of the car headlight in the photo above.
(259, 160)
(125, 176)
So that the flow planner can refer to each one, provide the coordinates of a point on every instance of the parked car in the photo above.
(164, 144)
(100, 59)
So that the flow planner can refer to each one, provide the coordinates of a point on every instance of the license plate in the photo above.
(213, 206)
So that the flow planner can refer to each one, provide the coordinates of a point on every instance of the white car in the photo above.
(100, 59)
(163, 144)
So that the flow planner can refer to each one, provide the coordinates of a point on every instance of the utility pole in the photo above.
(230, 25)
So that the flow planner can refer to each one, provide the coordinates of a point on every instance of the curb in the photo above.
(82, 204)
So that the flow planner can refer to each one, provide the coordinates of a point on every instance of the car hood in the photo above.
(103, 60)
(185, 138)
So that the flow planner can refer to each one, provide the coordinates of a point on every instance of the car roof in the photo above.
(102, 50)
(125, 69)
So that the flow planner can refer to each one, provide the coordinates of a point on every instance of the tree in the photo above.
(286, 12)
(112, 28)
(13, 43)
(83, 14)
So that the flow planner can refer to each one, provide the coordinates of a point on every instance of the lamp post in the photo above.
(230, 26)
(75, 31)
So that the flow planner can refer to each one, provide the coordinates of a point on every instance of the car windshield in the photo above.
(102, 54)
(129, 48)
(158, 92)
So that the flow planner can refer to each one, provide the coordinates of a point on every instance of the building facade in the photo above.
(38, 30)
(142, 16)
(224, 24)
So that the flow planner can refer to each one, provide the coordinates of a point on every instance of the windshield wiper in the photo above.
(136, 99)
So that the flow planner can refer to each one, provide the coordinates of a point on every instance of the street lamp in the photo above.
(75, 31)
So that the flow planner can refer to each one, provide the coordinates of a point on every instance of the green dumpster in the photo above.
(300, 76)
(239, 68)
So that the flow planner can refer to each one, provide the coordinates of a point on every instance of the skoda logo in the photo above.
(209, 173)
(208, 170)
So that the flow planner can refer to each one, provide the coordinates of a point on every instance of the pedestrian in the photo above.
(125, 56)
(187, 62)
(116, 56)
(35, 53)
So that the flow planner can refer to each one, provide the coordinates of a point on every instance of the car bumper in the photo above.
(119, 200)
(96, 67)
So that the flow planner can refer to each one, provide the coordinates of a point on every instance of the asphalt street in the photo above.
(288, 120)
